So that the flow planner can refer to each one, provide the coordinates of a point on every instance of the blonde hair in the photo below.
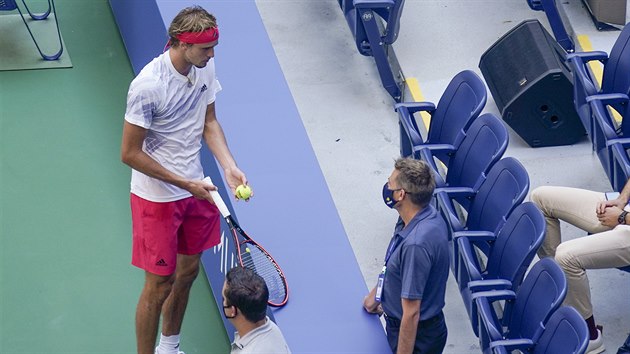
(190, 19)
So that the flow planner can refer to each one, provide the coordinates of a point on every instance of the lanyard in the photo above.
(381, 277)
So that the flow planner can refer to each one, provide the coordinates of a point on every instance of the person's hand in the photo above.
(201, 190)
(601, 206)
(371, 306)
(610, 215)
(235, 177)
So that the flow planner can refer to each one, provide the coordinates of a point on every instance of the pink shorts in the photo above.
(162, 230)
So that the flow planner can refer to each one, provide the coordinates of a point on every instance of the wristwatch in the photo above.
(622, 218)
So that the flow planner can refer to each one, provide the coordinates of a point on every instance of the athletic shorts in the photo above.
(162, 230)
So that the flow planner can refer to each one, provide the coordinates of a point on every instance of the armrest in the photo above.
(456, 192)
(488, 320)
(512, 344)
(589, 56)
(446, 208)
(373, 4)
(410, 127)
(414, 107)
(475, 235)
(436, 148)
(476, 286)
(469, 267)
(608, 98)
(625, 142)
(494, 295)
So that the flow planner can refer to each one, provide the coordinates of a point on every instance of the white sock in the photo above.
(168, 344)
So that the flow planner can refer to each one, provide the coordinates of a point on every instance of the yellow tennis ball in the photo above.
(243, 192)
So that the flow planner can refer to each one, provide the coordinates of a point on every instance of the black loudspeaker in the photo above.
(532, 85)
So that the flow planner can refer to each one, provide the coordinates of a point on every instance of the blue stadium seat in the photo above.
(565, 333)
(505, 187)
(510, 254)
(605, 134)
(375, 25)
(462, 101)
(615, 79)
(483, 145)
(526, 311)
(11, 5)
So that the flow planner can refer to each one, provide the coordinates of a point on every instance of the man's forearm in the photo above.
(625, 192)
(217, 143)
(143, 163)
(407, 335)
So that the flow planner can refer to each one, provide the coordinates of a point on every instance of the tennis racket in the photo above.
(253, 256)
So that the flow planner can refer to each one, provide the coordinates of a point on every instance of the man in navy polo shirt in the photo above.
(410, 289)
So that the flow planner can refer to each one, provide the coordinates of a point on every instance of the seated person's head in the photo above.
(245, 292)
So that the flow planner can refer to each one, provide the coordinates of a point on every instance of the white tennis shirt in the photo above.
(172, 107)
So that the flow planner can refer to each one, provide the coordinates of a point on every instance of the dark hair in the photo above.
(416, 178)
(248, 292)
(190, 19)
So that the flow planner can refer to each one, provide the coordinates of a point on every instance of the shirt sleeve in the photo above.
(215, 85)
(416, 267)
(142, 102)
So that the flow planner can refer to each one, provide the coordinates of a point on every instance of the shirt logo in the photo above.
(204, 87)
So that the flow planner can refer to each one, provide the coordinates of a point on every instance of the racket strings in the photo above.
(257, 260)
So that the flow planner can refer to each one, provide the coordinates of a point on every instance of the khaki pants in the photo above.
(605, 248)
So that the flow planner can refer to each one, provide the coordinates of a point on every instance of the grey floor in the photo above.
(353, 129)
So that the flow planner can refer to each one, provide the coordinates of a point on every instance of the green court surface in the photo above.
(66, 283)
(19, 52)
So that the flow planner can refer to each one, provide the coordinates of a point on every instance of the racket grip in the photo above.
(218, 201)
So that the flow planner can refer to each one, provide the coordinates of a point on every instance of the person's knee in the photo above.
(159, 287)
(566, 258)
(538, 196)
(187, 272)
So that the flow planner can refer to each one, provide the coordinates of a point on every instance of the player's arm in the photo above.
(215, 139)
(408, 325)
(131, 153)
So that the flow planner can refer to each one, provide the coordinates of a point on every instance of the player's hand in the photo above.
(609, 217)
(235, 177)
(201, 190)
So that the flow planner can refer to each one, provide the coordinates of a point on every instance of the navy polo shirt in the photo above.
(418, 266)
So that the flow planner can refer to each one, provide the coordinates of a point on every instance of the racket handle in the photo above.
(218, 201)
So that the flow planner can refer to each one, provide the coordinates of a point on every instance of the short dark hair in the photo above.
(248, 292)
(416, 179)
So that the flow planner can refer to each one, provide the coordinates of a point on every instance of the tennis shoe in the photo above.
(158, 352)
(596, 346)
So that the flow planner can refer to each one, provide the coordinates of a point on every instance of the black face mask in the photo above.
(388, 196)
(235, 311)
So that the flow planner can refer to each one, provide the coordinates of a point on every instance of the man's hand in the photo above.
(601, 206)
(235, 177)
(370, 305)
(201, 190)
(610, 215)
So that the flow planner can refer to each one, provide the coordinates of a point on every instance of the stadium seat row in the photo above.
(493, 235)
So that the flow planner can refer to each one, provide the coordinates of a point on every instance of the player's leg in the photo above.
(154, 294)
(199, 231)
(155, 228)
(175, 305)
